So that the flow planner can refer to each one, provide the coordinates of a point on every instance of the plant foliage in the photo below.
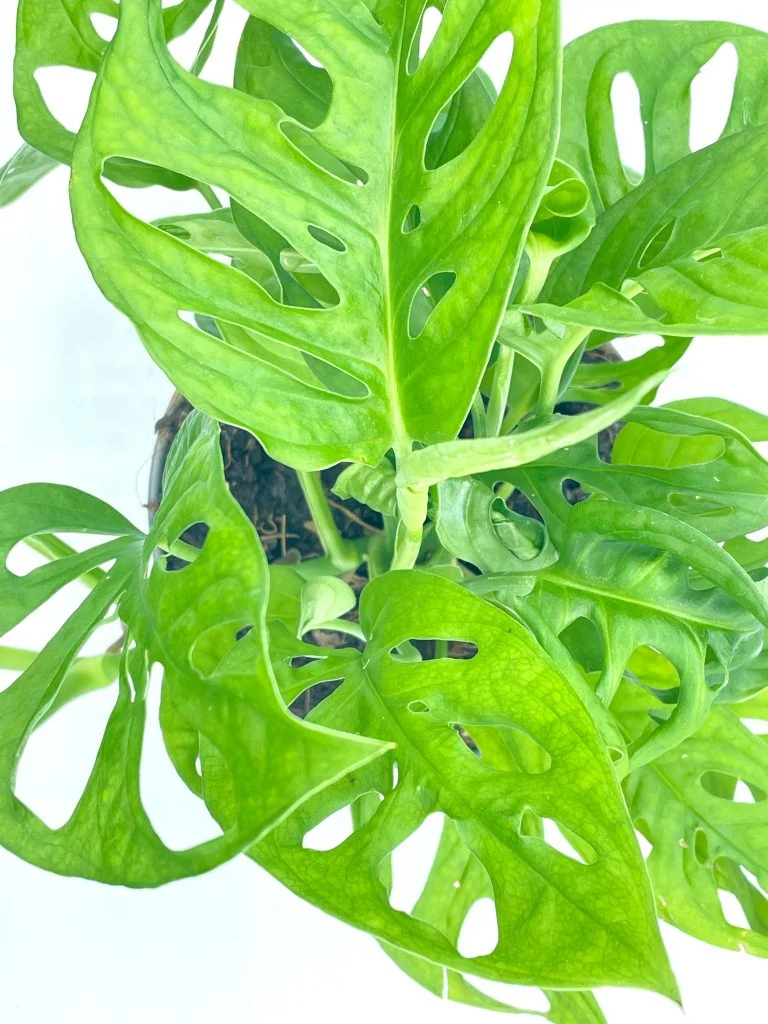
(560, 637)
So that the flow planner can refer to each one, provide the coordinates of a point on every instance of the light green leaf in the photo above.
(214, 688)
(702, 472)
(61, 33)
(475, 525)
(455, 883)
(625, 570)
(511, 695)
(663, 58)
(371, 485)
(749, 422)
(705, 833)
(25, 168)
(598, 383)
(473, 212)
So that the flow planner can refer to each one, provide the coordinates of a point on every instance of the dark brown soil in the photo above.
(270, 494)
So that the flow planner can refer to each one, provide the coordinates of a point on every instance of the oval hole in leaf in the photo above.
(463, 118)
(104, 25)
(412, 861)
(423, 37)
(757, 726)
(479, 934)
(507, 748)
(712, 97)
(66, 92)
(655, 245)
(497, 59)
(306, 143)
(421, 649)
(733, 912)
(412, 220)
(331, 832)
(730, 787)
(326, 238)
(22, 559)
(584, 642)
(59, 757)
(185, 549)
(700, 846)
(427, 298)
(567, 842)
(628, 126)
(179, 817)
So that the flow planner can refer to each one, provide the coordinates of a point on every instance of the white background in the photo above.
(79, 399)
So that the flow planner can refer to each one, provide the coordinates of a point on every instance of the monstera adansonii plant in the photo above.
(548, 633)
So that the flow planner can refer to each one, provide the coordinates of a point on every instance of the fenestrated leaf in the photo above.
(680, 255)
(704, 832)
(475, 525)
(598, 383)
(455, 883)
(626, 570)
(473, 213)
(555, 925)
(663, 58)
(698, 470)
(60, 33)
(25, 168)
(220, 690)
(688, 233)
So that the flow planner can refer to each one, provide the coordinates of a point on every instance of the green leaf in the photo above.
(598, 383)
(455, 883)
(373, 486)
(215, 688)
(702, 472)
(681, 255)
(25, 168)
(289, 176)
(60, 33)
(561, 771)
(705, 833)
(752, 424)
(476, 526)
(663, 58)
(677, 249)
(626, 571)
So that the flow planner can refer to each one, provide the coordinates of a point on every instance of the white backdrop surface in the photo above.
(79, 399)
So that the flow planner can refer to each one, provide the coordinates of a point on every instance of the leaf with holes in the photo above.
(626, 571)
(457, 882)
(677, 249)
(702, 807)
(342, 194)
(540, 757)
(67, 34)
(188, 620)
(700, 471)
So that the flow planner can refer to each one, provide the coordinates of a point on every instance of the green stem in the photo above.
(52, 547)
(551, 381)
(502, 380)
(204, 52)
(479, 422)
(341, 552)
(14, 659)
(412, 503)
